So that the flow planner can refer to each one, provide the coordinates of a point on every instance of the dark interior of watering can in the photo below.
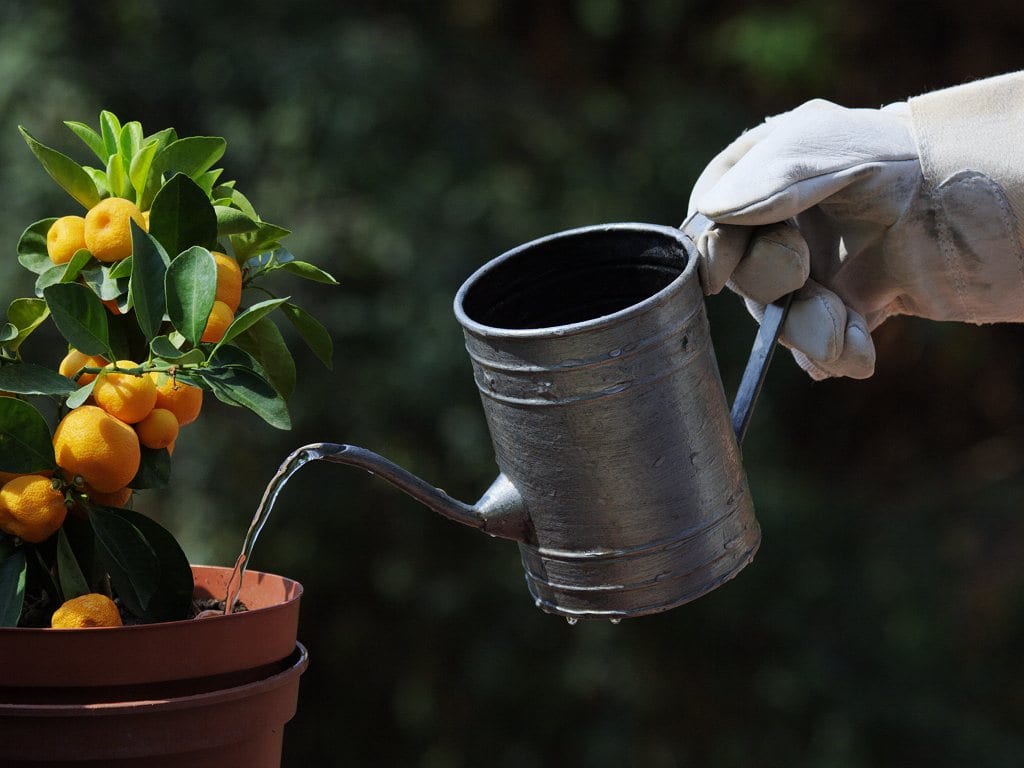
(574, 278)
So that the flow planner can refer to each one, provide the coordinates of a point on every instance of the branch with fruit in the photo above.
(147, 288)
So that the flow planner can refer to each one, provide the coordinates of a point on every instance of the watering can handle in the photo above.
(764, 344)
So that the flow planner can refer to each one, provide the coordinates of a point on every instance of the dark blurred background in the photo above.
(406, 143)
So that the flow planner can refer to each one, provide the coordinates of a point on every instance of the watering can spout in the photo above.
(500, 512)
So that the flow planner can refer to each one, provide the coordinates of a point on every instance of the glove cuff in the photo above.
(975, 127)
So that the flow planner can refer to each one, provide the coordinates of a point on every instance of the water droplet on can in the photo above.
(571, 620)
(616, 620)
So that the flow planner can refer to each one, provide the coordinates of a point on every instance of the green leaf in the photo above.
(82, 541)
(65, 171)
(103, 283)
(32, 379)
(80, 317)
(32, 253)
(13, 571)
(130, 560)
(191, 285)
(122, 268)
(308, 271)
(89, 137)
(172, 599)
(316, 336)
(99, 178)
(231, 221)
(117, 177)
(165, 348)
(52, 276)
(146, 288)
(182, 216)
(25, 315)
(208, 179)
(72, 580)
(129, 141)
(265, 343)
(265, 238)
(236, 386)
(241, 202)
(80, 395)
(25, 441)
(191, 156)
(140, 166)
(154, 470)
(110, 128)
(75, 266)
(250, 317)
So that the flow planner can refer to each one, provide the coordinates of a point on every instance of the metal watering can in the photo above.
(620, 472)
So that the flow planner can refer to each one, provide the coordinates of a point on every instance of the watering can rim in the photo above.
(654, 300)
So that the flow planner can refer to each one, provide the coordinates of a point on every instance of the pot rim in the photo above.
(145, 654)
(293, 586)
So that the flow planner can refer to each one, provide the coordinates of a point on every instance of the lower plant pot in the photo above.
(206, 693)
(238, 726)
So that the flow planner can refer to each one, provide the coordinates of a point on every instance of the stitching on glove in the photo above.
(947, 191)
(950, 256)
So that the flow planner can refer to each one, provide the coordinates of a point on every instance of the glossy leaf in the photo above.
(13, 572)
(265, 343)
(65, 171)
(80, 317)
(110, 129)
(192, 156)
(154, 470)
(190, 285)
(182, 216)
(25, 315)
(122, 268)
(250, 317)
(141, 164)
(146, 287)
(129, 559)
(69, 573)
(117, 177)
(172, 599)
(231, 221)
(313, 332)
(309, 272)
(32, 379)
(129, 142)
(25, 441)
(32, 254)
(89, 137)
(236, 386)
(266, 237)
(80, 395)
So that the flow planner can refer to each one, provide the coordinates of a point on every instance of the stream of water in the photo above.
(295, 461)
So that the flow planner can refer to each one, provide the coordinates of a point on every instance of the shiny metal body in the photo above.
(620, 472)
(593, 357)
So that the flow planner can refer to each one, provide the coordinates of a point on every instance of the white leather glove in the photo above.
(916, 209)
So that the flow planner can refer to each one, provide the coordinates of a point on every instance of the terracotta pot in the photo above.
(210, 692)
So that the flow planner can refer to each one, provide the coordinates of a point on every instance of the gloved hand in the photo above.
(916, 208)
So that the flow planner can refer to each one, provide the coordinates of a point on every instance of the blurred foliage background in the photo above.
(407, 143)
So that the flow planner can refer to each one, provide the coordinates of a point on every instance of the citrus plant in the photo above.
(159, 287)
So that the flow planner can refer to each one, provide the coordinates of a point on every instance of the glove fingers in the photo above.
(777, 262)
(857, 360)
(725, 160)
(720, 247)
(819, 150)
(816, 324)
(826, 337)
